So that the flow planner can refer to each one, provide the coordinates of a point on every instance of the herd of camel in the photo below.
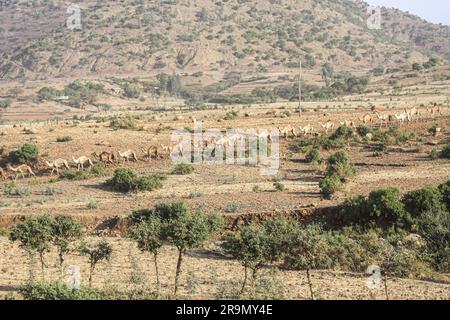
(80, 163)
(382, 119)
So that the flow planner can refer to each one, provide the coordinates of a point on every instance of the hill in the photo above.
(209, 40)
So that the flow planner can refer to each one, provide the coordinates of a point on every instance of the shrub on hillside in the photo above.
(72, 174)
(330, 185)
(423, 200)
(445, 153)
(342, 132)
(183, 168)
(386, 208)
(123, 123)
(313, 156)
(57, 291)
(125, 180)
(382, 208)
(339, 165)
(25, 154)
(445, 191)
(5, 103)
(64, 139)
(434, 227)
(60, 291)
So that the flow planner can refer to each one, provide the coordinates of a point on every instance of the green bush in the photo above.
(64, 139)
(131, 91)
(5, 103)
(183, 168)
(423, 200)
(57, 291)
(445, 153)
(125, 180)
(434, 227)
(25, 154)
(339, 165)
(60, 291)
(313, 156)
(342, 132)
(382, 208)
(123, 123)
(386, 208)
(434, 154)
(98, 170)
(330, 185)
(279, 186)
(445, 191)
(72, 174)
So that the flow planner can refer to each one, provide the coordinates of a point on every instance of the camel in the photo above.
(327, 126)
(81, 161)
(21, 170)
(402, 117)
(55, 165)
(435, 110)
(288, 130)
(367, 119)
(126, 155)
(384, 118)
(104, 157)
(151, 152)
(414, 112)
(347, 123)
(308, 129)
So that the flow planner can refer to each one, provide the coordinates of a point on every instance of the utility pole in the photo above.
(300, 86)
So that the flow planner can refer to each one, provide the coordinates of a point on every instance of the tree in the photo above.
(102, 250)
(149, 237)
(248, 245)
(186, 230)
(307, 250)
(34, 234)
(65, 229)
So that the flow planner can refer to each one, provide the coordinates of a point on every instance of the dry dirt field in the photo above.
(227, 189)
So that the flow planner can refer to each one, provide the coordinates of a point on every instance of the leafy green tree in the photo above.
(34, 234)
(186, 230)
(97, 252)
(249, 245)
(308, 250)
(65, 230)
(149, 236)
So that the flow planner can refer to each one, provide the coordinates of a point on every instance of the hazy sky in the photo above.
(432, 10)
